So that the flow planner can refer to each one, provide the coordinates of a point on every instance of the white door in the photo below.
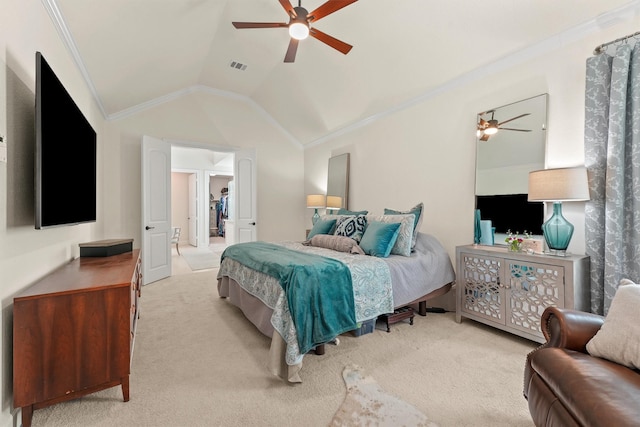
(156, 209)
(193, 210)
(244, 197)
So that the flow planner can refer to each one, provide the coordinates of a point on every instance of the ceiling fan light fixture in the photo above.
(299, 30)
(492, 129)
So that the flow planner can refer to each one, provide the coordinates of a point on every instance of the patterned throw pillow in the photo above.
(351, 226)
(417, 211)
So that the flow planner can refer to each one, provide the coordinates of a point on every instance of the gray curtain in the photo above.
(612, 157)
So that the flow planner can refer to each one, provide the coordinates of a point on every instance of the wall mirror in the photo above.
(338, 182)
(504, 158)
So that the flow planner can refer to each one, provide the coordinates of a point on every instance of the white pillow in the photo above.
(618, 340)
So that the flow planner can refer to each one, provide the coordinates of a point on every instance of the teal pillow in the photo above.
(403, 242)
(417, 212)
(379, 238)
(323, 226)
(343, 211)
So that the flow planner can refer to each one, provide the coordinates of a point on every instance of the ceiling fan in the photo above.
(486, 128)
(300, 25)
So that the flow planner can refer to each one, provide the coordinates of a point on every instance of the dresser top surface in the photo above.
(502, 251)
(85, 273)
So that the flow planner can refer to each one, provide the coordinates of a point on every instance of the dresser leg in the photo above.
(27, 414)
(125, 388)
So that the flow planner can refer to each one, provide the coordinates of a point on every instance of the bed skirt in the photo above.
(260, 314)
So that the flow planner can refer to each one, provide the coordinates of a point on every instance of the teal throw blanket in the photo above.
(318, 289)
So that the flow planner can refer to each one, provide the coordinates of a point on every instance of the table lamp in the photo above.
(334, 203)
(315, 201)
(557, 186)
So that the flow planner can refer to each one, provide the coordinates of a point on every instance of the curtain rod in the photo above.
(599, 49)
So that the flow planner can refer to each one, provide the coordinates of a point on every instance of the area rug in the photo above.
(201, 259)
(367, 404)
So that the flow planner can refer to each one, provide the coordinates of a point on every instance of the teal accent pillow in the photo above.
(351, 226)
(379, 238)
(343, 211)
(323, 226)
(417, 212)
(405, 233)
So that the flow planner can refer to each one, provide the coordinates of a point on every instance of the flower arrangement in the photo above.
(514, 241)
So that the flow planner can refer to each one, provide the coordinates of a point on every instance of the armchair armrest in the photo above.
(570, 329)
(563, 328)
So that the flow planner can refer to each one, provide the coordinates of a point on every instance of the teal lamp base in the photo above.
(315, 218)
(557, 231)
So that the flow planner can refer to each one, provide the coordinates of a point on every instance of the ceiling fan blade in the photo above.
(331, 41)
(291, 50)
(327, 8)
(513, 118)
(485, 137)
(287, 6)
(241, 25)
(519, 130)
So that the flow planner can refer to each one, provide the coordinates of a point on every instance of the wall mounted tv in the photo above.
(65, 155)
(512, 212)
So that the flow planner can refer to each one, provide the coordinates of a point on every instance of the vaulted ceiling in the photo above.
(138, 53)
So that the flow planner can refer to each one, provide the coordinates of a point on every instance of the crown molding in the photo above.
(508, 60)
(61, 26)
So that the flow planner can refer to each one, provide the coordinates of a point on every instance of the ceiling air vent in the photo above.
(238, 66)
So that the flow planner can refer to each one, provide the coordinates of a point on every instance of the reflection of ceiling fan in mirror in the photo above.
(486, 128)
(300, 25)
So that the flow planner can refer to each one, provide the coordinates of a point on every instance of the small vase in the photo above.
(515, 247)
(477, 232)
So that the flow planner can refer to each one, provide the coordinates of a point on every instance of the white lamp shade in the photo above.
(559, 185)
(334, 202)
(315, 201)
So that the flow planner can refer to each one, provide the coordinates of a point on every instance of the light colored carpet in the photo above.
(198, 362)
(201, 259)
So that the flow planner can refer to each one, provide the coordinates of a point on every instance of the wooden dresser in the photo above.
(73, 331)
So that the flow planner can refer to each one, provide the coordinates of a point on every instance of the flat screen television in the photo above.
(65, 155)
(512, 212)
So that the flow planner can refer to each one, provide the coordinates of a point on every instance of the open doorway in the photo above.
(162, 157)
(199, 177)
(219, 206)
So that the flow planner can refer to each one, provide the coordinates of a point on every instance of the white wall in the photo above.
(426, 152)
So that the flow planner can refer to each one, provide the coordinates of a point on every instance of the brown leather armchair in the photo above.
(565, 386)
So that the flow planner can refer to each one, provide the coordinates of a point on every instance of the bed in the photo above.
(379, 285)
